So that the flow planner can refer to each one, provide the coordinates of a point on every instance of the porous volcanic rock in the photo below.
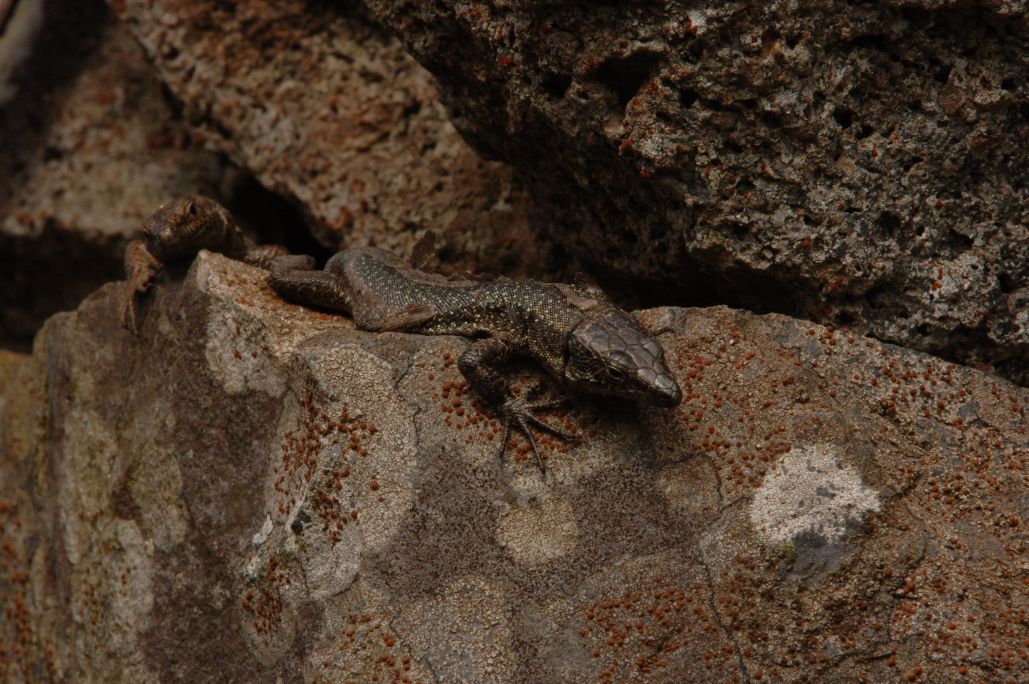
(252, 491)
(859, 164)
(327, 109)
(89, 147)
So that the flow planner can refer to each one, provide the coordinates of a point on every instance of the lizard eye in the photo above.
(193, 209)
(615, 374)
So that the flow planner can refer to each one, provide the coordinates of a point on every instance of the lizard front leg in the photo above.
(268, 256)
(141, 269)
(478, 365)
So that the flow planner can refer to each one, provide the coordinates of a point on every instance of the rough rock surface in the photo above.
(89, 148)
(326, 108)
(857, 164)
(274, 496)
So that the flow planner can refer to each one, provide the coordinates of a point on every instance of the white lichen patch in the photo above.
(538, 533)
(809, 492)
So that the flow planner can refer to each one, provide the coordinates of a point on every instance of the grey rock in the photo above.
(253, 491)
(857, 164)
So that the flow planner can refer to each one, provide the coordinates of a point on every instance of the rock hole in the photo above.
(941, 72)
(556, 85)
(687, 97)
(843, 116)
(771, 119)
(870, 41)
(625, 76)
(888, 223)
(911, 162)
(844, 318)
(1007, 282)
(958, 241)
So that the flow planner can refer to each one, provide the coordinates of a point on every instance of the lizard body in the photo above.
(573, 331)
(174, 234)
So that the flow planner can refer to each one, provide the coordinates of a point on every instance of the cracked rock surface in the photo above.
(252, 491)
(859, 164)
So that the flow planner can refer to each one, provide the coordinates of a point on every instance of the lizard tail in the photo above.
(311, 288)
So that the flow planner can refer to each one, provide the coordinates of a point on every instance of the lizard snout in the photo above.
(661, 386)
(668, 392)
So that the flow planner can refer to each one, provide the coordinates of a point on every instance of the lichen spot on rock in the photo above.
(538, 533)
(809, 492)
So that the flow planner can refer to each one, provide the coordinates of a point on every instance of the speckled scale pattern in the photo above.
(534, 318)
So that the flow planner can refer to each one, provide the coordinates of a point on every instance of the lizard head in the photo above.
(180, 228)
(611, 354)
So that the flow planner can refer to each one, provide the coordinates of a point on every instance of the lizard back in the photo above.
(534, 317)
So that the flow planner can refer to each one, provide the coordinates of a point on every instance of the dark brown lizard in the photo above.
(174, 234)
(573, 331)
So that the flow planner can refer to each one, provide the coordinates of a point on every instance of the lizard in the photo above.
(574, 332)
(174, 234)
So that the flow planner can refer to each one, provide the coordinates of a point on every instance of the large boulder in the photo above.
(253, 491)
(327, 109)
(858, 164)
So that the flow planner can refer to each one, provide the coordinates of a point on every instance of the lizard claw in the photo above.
(141, 270)
(518, 412)
(130, 310)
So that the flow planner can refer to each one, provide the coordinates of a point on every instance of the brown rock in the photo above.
(855, 164)
(197, 504)
(328, 110)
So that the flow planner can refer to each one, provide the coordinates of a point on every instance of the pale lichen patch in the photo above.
(809, 493)
(464, 633)
(238, 358)
(155, 482)
(538, 533)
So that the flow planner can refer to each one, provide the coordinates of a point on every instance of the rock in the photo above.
(91, 147)
(327, 109)
(854, 164)
(252, 491)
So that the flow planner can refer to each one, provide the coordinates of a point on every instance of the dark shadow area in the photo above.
(53, 272)
(268, 217)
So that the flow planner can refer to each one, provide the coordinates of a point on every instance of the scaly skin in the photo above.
(174, 234)
(574, 332)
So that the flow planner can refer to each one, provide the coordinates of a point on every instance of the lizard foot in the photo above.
(521, 414)
(141, 270)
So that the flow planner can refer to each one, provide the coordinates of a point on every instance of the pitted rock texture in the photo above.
(275, 496)
(859, 164)
(327, 109)
(90, 147)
